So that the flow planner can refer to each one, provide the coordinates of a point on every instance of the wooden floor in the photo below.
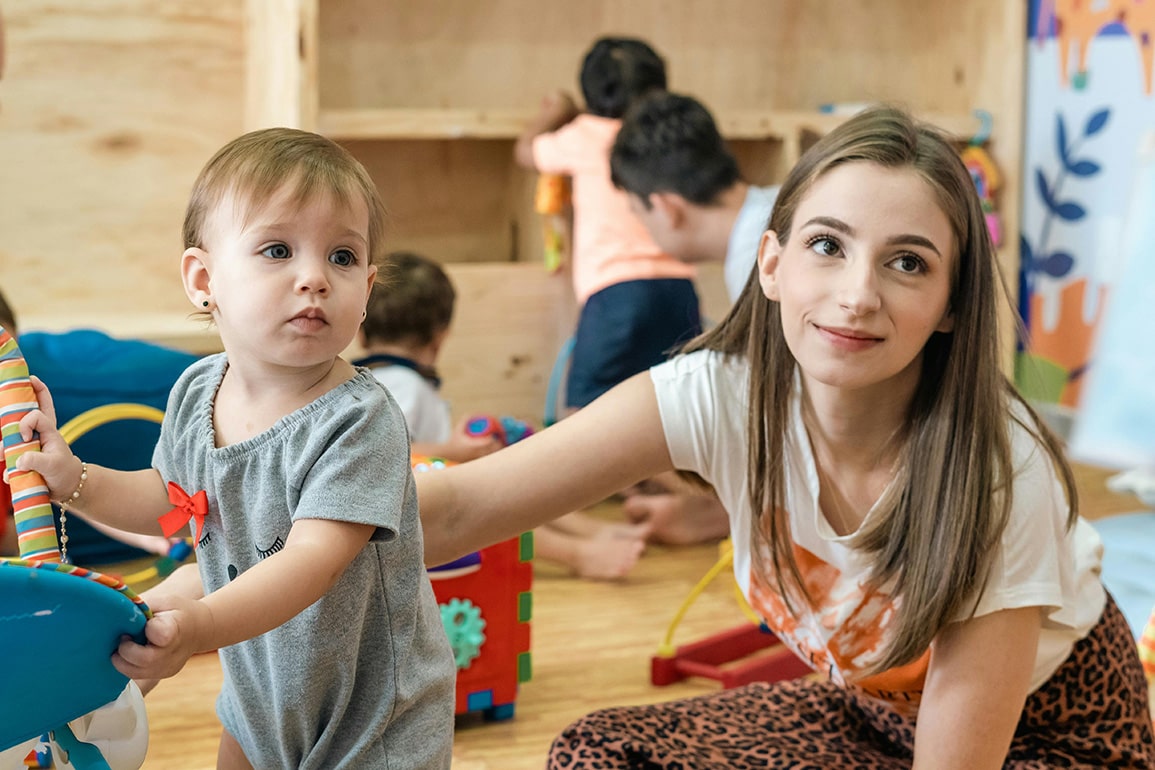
(592, 643)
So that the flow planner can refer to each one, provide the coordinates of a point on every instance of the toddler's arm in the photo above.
(260, 599)
(128, 500)
(556, 110)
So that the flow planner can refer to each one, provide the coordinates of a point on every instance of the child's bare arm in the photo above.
(556, 110)
(460, 448)
(128, 500)
(184, 581)
(315, 555)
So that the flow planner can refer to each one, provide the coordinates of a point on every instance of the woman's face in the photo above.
(865, 277)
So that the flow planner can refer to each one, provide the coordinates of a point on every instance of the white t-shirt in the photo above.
(702, 399)
(745, 235)
(426, 412)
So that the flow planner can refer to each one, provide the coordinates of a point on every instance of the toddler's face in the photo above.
(288, 282)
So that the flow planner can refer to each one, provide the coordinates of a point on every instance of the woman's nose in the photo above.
(858, 288)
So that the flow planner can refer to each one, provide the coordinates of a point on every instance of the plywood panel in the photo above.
(509, 325)
(109, 110)
(455, 200)
(759, 54)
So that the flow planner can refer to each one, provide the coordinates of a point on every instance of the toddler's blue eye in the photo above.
(343, 258)
(277, 251)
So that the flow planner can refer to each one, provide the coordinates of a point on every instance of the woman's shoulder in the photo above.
(709, 364)
(1029, 453)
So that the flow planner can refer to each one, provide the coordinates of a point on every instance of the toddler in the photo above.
(292, 468)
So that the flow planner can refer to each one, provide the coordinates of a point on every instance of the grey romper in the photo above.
(363, 678)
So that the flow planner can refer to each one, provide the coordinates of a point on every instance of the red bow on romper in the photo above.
(187, 509)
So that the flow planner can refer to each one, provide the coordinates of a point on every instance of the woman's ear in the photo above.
(769, 253)
(194, 272)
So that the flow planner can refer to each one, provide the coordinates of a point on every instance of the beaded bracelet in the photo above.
(63, 506)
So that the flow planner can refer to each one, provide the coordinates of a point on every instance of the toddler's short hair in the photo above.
(254, 166)
(412, 301)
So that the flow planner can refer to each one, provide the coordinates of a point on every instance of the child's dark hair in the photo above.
(412, 301)
(670, 143)
(616, 72)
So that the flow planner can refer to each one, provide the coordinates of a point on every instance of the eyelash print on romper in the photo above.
(277, 545)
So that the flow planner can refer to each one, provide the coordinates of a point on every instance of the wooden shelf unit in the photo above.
(111, 108)
(431, 95)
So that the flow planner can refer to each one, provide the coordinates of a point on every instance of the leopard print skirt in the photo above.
(1092, 713)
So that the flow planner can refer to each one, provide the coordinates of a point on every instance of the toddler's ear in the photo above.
(195, 276)
(769, 253)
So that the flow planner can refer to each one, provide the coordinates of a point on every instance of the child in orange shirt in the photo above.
(638, 303)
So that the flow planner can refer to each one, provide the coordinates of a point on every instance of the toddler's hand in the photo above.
(55, 461)
(172, 636)
(466, 448)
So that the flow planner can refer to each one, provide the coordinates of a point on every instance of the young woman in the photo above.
(900, 517)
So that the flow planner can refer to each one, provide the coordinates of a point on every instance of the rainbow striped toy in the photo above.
(59, 626)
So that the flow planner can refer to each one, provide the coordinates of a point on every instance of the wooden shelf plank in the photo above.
(423, 123)
(404, 123)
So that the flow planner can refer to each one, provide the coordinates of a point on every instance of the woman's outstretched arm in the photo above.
(614, 442)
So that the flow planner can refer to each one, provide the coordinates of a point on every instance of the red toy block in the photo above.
(486, 604)
(737, 646)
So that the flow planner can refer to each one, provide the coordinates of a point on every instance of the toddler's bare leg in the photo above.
(230, 755)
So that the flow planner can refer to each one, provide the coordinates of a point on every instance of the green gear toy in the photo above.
(464, 626)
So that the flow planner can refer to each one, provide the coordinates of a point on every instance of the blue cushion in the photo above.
(85, 369)
(1129, 564)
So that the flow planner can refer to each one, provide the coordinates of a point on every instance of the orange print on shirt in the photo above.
(845, 634)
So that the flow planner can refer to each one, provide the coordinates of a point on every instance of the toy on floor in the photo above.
(59, 626)
(508, 430)
(486, 605)
(762, 657)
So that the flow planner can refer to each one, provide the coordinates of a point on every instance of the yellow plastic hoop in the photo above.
(102, 415)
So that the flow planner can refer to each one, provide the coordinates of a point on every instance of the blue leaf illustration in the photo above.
(1096, 122)
(1026, 258)
(1061, 137)
(1044, 190)
(1058, 264)
(1084, 168)
(1070, 211)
